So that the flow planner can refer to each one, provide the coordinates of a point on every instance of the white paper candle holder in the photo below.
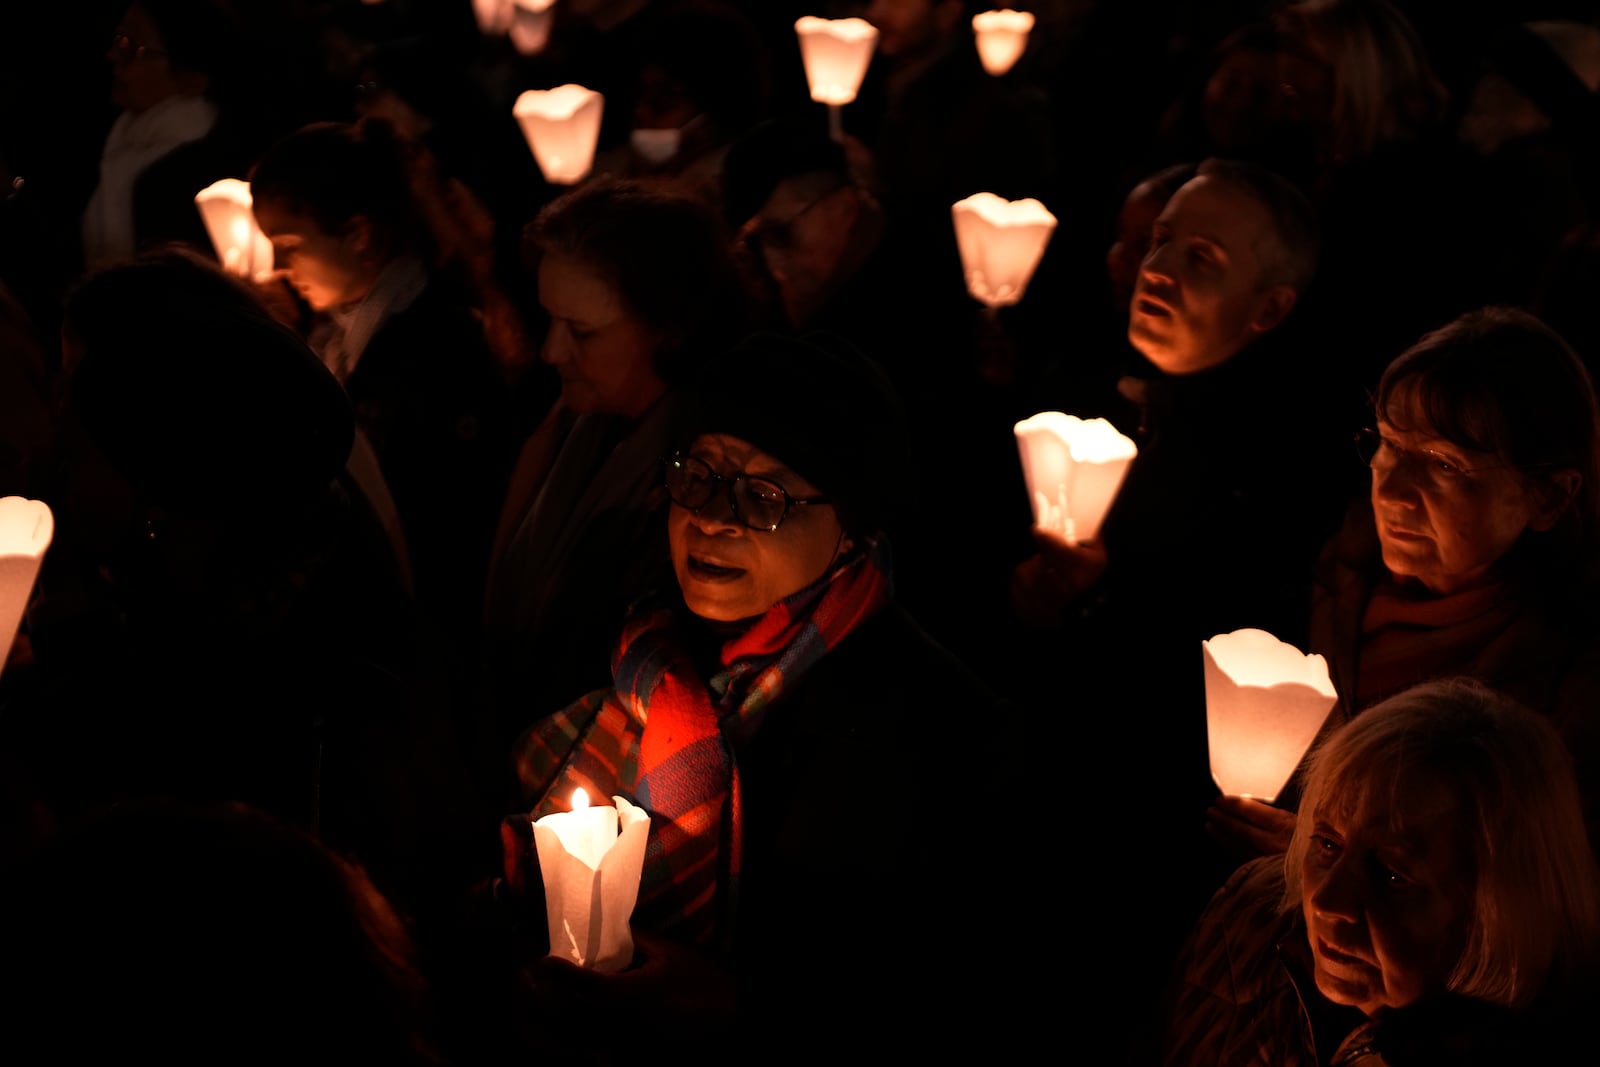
(836, 53)
(26, 530)
(1073, 469)
(1002, 38)
(1001, 242)
(562, 126)
(591, 859)
(1265, 702)
(226, 208)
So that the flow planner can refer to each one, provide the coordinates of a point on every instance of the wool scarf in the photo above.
(1408, 636)
(660, 735)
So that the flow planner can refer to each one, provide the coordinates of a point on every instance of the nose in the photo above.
(1339, 896)
(1394, 483)
(717, 514)
(557, 347)
(1157, 264)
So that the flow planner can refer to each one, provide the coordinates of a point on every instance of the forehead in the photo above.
(570, 287)
(1420, 820)
(1219, 211)
(277, 220)
(796, 192)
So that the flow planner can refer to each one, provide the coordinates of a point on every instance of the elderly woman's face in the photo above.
(1386, 906)
(1447, 515)
(728, 571)
(605, 356)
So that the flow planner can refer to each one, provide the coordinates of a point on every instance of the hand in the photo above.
(1248, 828)
(1044, 584)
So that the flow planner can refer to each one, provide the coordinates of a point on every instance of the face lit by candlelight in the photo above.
(730, 572)
(1386, 893)
(1201, 294)
(328, 270)
(1447, 515)
(603, 353)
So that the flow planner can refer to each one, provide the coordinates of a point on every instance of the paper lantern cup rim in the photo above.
(1087, 440)
(234, 190)
(31, 521)
(565, 101)
(998, 211)
(1290, 665)
(853, 29)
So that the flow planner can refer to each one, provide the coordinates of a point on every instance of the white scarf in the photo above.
(135, 142)
(397, 286)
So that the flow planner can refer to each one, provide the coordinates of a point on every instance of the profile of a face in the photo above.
(603, 354)
(1201, 293)
(1386, 891)
(1447, 514)
(328, 270)
(141, 69)
(729, 571)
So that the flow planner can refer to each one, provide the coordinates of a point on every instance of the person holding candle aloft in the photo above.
(1439, 903)
(776, 688)
(1473, 551)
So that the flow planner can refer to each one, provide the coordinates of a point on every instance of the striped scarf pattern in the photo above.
(657, 737)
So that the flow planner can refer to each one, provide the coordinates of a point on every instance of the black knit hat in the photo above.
(822, 408)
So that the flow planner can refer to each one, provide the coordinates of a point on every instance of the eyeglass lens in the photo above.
(756, 502)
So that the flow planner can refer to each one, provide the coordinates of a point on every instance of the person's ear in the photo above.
(1274, 307)
(1553, 496)
(358, 236)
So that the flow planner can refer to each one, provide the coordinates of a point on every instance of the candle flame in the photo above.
(580, 798)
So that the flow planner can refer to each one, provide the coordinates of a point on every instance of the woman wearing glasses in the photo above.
(637, 286)
(804, 749)
(1476, 553)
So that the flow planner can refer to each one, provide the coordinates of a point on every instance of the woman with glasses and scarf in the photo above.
(1476, 552)
(806, 752)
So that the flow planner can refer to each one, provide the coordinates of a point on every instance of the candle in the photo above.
(1000, 242)
(26, 530)
(1073, 469)
(562, 127)
(1265, 701)
(590, 859)
(226, 208)
(1002, 37)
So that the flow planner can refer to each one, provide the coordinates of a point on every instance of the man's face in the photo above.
(1200, 295)
(800, 235)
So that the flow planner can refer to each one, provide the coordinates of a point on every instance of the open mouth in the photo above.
(1153, 308)
(707, 571)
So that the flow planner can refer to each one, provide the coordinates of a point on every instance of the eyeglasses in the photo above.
(778, 234)
(131, 51)
(758, 503)
(1383, 454)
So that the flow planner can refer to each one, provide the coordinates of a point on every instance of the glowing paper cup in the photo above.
(836, 53)
(591, 859)
(1073, 468)
(26, 529)
(1002, 38)
(226, 209)
(1001, 242)
(562, 126)
(1265, 702)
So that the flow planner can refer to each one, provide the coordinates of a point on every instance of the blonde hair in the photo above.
(1385, 89)
(1535, 884)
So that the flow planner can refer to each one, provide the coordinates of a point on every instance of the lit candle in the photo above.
(1002, 37)
(1001, 242)
(26, 530)
(562, 127)
(1073, 469)
(590, 859)
(227, 210)
(835, 53)
(1265, 702)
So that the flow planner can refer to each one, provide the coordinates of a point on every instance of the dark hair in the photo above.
(716, 52)
(199, 35)
(1296, 231)
(333, 172)
(196, 394)
(207, 933)
(820, 406)
(666, 254)
(1499, 380)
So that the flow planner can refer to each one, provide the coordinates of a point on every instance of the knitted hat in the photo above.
(819, 406)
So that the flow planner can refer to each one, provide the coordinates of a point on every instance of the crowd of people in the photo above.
(694, 482)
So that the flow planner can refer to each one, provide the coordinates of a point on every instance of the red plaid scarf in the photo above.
(657, 737)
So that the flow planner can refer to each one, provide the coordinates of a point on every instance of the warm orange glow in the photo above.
(836, 53)
(1002, 38)
(1001, 242)
(1265, 701)
(580, 798)
(562, 126)
(26, 530)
